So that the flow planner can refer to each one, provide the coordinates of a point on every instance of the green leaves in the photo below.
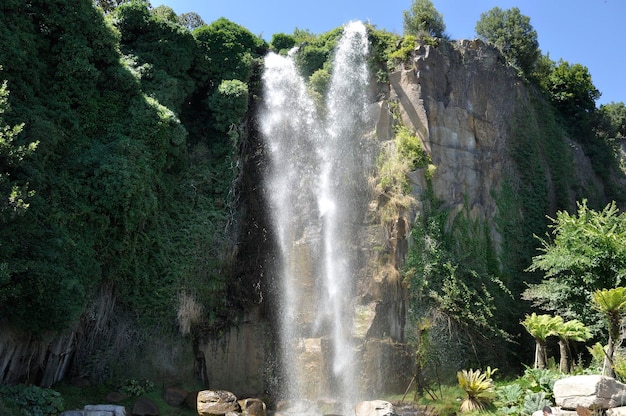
(587, 252)
(423, 18)
(511, 32)
(479, 388)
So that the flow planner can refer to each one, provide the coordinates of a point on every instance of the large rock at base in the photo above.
(591, 391)
(253, 407)
(114, 410)
(216, 402)
(374, 408)
(175, 396)
(145, 407)
(616, 411)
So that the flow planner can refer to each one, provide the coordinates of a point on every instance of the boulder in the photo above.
(175, 396)
(253, 407)
(115, 397)
(616, 411)
(145, 407)
(113, 409)
(374, 408)
(591, 391)
(216, 402)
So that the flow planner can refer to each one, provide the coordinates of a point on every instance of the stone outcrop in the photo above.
(216, 402)
(590, 391)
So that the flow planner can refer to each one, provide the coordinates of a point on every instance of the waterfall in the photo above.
(316, 185)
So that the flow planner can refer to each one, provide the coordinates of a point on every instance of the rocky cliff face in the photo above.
(461, 100)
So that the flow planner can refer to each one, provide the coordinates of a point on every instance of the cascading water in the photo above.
(315, 186)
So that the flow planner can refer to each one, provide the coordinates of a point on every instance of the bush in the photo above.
(31, 400)
(229, 103)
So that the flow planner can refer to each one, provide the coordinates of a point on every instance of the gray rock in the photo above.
(591, 391)
(112, 409)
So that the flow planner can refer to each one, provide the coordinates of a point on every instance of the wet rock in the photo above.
(253, 407)
(374, 408)
(104, 410)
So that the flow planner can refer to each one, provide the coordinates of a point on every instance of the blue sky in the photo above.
(589, 32)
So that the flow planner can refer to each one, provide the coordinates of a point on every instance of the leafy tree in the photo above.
(587, 252)
(109, 5)
(226, 50)
(612, 304)
(511, 32)
(422, 17)
(540, 327)
(611, 125)
(190, 20)
(165, 13)
(282, 42)
(571, 90)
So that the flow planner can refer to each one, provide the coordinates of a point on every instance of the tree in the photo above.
(422, 18)
(190, 20)
(571, 90)
(540, 327)
(612, 304)
(511, 32)
(587, 252)
(568, 332)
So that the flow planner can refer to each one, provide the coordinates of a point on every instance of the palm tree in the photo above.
(567, 332)
(541, 327)
(611, 303)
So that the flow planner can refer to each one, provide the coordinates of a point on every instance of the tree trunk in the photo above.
(540, 354)
(608, 360)
(564, 356)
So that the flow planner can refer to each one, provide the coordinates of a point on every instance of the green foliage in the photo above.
(422, 18)
(136, 388)
(450, 273)
(479, 388)
(584, 252)
(229, 103)
(190, 20)
(534, 402)
(282, 43)
(405, 50)
(571, 90)
(31, 400)
(13, 194)
(511, 32)
(226, 51)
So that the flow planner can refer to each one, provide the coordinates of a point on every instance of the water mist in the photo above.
(316, 184)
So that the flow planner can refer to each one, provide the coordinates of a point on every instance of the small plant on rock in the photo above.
(479, 388)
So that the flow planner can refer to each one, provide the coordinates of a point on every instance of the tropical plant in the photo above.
(587, 252)
(612, 304)
(569, 331)
(511, 32)
(534, 401)
(540, 327)
(479, 388)
(422, 18)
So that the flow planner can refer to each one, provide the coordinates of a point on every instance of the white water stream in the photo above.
(316, 180)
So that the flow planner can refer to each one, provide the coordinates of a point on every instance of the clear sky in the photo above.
(588, 32)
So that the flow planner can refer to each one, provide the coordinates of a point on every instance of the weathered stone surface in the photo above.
(253, 407)
(616, 411)
(145, 407)
(216, 402)
(175, 396)
(591, 391)
(374, 408)
(113, 409)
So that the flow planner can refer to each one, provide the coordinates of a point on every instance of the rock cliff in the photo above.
(464, 103)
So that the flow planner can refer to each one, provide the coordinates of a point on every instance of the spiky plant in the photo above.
(479, 388)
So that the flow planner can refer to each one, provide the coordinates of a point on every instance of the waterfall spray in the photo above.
(316, 183)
